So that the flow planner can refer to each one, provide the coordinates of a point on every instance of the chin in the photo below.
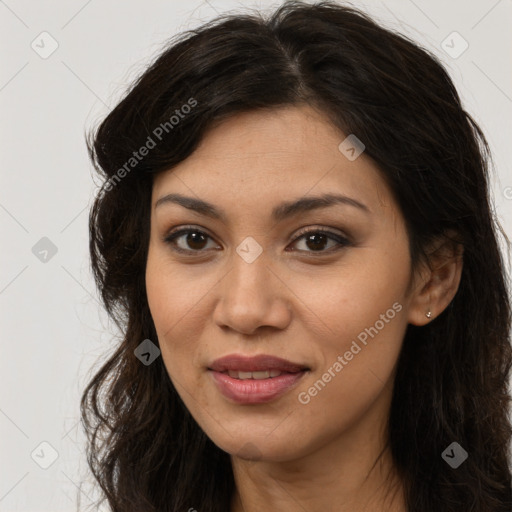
(253, 447)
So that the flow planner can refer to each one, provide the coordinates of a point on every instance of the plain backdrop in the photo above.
(54, 331)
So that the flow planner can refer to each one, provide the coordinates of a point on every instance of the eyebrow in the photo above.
(279, 213)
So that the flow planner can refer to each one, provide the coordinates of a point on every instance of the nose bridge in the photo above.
(250, 295)
(249, 268)
(245, 285)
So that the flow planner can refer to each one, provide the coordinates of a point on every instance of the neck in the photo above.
(353, 475)
(265, 488)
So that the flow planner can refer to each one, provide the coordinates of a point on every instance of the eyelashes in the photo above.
(179, 239)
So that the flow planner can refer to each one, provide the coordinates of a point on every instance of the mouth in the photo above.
(255, 380)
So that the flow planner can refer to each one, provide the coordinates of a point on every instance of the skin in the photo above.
(294, 302)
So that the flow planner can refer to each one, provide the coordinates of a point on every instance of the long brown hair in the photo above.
(145, 450)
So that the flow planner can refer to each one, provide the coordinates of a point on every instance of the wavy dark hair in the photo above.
(144, 448)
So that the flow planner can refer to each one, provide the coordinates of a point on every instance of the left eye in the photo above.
(197, 240)
(317, 239)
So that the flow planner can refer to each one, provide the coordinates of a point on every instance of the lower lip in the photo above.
(255, 391)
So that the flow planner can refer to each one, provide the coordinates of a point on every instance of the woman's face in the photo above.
(246, 280)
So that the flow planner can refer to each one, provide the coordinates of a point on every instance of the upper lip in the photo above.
(255, 363)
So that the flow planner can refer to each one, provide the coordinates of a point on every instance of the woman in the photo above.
(295, 237)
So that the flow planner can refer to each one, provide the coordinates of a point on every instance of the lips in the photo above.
(255, 380)
(260, 363)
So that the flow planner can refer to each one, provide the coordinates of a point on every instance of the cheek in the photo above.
(356, 357)
(356, 296)
(362, 313)
(178, 302)
(361, 332)
(168, 304)
(169, 291)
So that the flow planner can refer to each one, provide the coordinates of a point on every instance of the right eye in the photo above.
(188, 240)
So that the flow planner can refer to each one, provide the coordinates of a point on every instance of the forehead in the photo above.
(263, 157)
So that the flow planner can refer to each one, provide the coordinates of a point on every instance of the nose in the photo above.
(252, 297)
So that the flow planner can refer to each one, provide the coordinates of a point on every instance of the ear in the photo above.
(437, 282)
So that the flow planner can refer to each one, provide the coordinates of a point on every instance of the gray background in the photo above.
(53, 329)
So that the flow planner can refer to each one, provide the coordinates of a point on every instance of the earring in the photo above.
(429, 314)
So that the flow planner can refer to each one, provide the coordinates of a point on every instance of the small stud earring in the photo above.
(429, 314)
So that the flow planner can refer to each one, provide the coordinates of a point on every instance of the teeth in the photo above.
(265, 374)
(261, 375)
